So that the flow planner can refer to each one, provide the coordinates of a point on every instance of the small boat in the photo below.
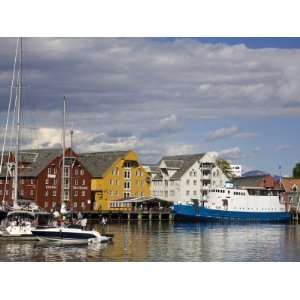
(69, 234)
(235, 204)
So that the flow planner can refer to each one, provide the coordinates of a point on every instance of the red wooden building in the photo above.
(40, 180)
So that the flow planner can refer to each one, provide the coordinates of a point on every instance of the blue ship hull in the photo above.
(196, 213)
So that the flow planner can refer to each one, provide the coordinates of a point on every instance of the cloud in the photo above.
(231, 153)
(140, 92)
(256, 149)
(283, 147)
(222, 133)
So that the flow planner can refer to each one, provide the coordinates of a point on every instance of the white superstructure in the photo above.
(245, 200)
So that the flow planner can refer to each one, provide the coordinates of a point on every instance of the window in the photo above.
(187, 193)
(82, 204)
(83, 182)
(54, 181)
(127, 174)
(81, 172)
(195, 182)
(46, 193)
(22, 181)
(195, 193)
(127, 185)
(76, 181)
(126, 195)
(54, 193)
(6, 192)
(46, 181)
(187, 181)
(49, 171)
(75, 204)
(111, 182)
(31, 181)
(76, 193)
(127, 165)
(67, 172)
(66, 183)
(31, 192)
(76, 171)
(22, 192)
(66, 195)
(46, 204)
(54, 170)
(82, 193)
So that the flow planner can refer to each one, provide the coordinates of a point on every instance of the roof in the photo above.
(142, 200)
(36, 160)
(98, 162)
(289, 183)
(181, 162)
(42, 158)
(248, 181)
(173, 164)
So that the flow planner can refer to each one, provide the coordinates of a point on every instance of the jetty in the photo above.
(131, 215)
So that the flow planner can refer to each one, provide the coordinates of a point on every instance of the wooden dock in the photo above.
(135, 215)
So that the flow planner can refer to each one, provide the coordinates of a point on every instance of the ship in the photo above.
(236, 204)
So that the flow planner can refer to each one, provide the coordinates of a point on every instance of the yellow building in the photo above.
(116, 175)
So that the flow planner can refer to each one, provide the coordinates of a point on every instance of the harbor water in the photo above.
(165, 241)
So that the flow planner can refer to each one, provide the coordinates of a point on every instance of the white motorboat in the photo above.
(69, 235)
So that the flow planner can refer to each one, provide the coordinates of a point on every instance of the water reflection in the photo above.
(162, 241)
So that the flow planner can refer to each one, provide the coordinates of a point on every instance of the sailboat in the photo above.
(73, 233)
(19, 219)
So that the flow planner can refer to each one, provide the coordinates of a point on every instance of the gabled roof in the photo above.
(182, 163)
(173, 163)
(249, 181)
(38, 163)
(98, 162)
(35, 161)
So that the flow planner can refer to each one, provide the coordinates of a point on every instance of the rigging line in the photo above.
(12, 137)
(9, 105)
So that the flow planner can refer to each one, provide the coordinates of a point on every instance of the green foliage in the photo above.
(225, 167)
(296, 171)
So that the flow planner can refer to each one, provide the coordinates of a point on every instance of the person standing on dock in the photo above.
(103, 223)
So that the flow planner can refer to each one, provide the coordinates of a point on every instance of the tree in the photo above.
(225, 167)
(296, 171)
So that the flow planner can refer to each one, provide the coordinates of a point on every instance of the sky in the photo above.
(239, 97)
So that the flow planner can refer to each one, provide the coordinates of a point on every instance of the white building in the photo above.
(183, 178)
(236, 170)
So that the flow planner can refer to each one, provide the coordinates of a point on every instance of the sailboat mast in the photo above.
(18, 106)
(63, 154)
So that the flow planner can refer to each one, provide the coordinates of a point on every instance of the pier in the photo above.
(131, 215)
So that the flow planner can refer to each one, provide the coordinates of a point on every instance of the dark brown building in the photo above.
(40, 180)
(263, 181)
